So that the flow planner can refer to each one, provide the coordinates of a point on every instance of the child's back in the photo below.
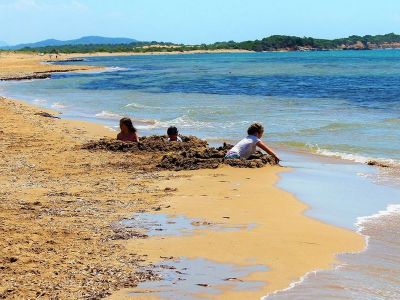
(246, 147)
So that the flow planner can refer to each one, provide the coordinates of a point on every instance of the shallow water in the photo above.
(338, 192)
(315, 101)
(188, 278)
(372, 274)
(154, 224)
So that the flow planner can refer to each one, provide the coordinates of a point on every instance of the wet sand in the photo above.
(283, 240)
(59, 205)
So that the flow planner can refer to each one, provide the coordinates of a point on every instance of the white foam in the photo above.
(180, 122)
(40, 101)
(58, 105)
(137, 105)
(102, 70)
(114, 69)
(143, 123)
(391, 209)
(111, 128)
(360, 223)
(185, 121)
(357, 158)
(108, 115)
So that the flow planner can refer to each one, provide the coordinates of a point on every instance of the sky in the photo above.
(194, 22)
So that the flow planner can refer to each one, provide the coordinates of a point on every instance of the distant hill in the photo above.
(87, 40)
(271, 43)
(3, 44)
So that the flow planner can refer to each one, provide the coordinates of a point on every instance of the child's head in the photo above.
(126, 126)
(256, 129)
(172, 133)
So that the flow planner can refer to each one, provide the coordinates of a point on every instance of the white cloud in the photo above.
(43, 6)
(19, 5)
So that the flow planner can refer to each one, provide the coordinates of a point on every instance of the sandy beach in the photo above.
(60, 203)
(18, 66)
(271, 229)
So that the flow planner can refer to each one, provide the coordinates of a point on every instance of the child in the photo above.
(172, 133)
(128, 132)
(246, 147)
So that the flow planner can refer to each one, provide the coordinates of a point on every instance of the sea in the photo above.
(327, 113)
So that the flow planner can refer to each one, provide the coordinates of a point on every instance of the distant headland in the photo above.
(271, 43)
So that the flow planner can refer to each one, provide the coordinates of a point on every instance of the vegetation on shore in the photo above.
(271, 43)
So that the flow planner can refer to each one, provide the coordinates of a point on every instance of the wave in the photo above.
(102, 70)
(291, 286)
(380, 162)
(108, 115)
(363, 224)
(392, 209)
(180, 122)
(115, 69)
(185, 121)
(40, 101)
(58, 105)
(137, 105)
(111, 128)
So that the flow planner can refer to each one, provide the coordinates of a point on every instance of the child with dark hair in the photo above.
(172, 133)
(247, 146)
(128, 132)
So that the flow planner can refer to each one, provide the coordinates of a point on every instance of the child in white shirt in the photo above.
(247, 146)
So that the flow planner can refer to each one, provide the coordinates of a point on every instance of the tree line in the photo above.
(271, 43)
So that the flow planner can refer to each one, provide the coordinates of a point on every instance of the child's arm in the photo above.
(135, 138)
(264, 147)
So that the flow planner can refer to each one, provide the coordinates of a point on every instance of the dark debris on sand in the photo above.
(190, 154)
(46, 115)
(377, 164)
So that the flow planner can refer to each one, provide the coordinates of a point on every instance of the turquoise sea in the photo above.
(326, 112)
(334, 102)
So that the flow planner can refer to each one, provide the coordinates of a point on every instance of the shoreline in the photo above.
(17, 66)
(27, 66)
(283, 253)
(145, 253)
(146, 185)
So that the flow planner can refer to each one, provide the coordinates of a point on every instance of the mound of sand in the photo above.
(191, 154)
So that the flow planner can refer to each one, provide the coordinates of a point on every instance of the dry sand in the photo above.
(58, 204)
(30, 66)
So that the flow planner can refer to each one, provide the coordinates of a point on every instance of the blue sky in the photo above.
(190, 21)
